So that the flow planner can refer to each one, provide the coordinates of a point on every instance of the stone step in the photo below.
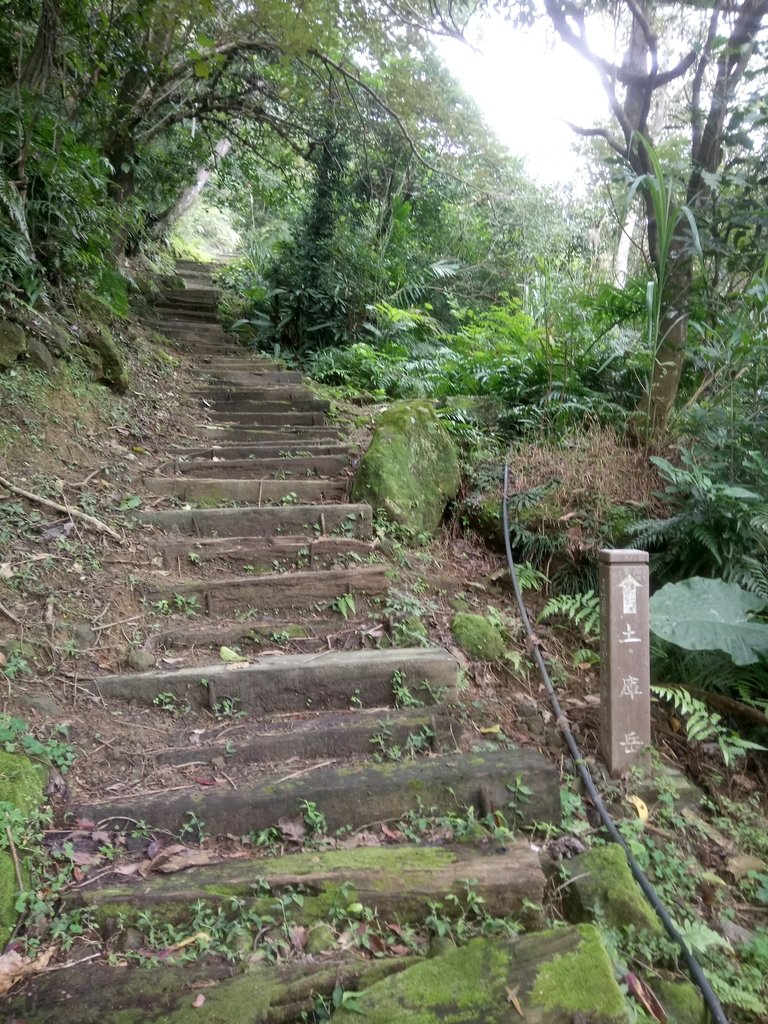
(253, 393)
(294, 435)
(321, 588)
(290, 520)
(249, 405)
(347, 734)
(166, 311)
(400, 882)
(262, 552)
(357, 795)
(262, 450)
(287, 468)
(253, 374)
(253, 633)
(296, 682)
(262, 491)
(197, 331)
(194, 293)
(269, 419)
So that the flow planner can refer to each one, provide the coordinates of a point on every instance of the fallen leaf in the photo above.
(6, 570)
(227, 654)
(198, 1001)
(83, 859)
(393, 835)
(205, 782)
(14, 967)
(186, 859)
(399, 950)
(491, 730)
(512, 998)
(640, 806)
(298, 936)
(127, 869)
(189, 941)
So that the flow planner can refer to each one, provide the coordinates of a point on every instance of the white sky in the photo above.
(527, 87)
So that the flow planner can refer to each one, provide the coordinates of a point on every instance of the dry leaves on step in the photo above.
(293, 830)
(643, 995)
(14, 967)
(178, 857)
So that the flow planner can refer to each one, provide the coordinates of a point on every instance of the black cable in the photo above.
(711, 1000)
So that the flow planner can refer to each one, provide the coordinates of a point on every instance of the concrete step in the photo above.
(253, 374)
(276, 633)
(248, 435)
(166, 311)
(201, 331)
(284, 468)
(357, 796)
(253, 392)
(289, 520)
(262, 491)
(261, 553)
(272, 592)
(259, 405)
(296, 682)
(262, 450)
(269, 419)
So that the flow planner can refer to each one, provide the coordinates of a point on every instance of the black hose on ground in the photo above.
(697, 974)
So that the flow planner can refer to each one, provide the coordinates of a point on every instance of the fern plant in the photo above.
(704, 726)
(583, 610)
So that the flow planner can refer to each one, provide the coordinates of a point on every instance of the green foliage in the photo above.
(583, 610)
(702, 725)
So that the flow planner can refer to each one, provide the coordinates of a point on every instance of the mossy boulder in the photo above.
(99, 338)
(21, 786)
(411, 469)
(682, 1001)
(13, 343)
(478, 637)
(39, 356)
(602, 888)
(554, 976)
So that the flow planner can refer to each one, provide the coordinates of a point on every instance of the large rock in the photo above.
(554, 977)
(602, 888)
(39, 356)
(13, 343)
(411, 469)
(113, 373)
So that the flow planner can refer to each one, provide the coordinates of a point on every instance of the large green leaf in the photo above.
(709, 615)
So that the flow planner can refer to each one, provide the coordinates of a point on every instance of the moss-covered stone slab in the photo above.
(411, 469)
(265, 994)
(477, 636)
(602, 888)
(287, 468)
(261, 552)
(543, 978)
(397, 882)
(21, 786)
(357, 794)
(212, 488)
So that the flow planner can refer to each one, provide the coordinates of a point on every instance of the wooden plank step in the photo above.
(286, 467)
(295, 682)
(263, 491)
(269, 419)
(275, 591)
(249, 435)
(346, 734)
(357, 795)
(263, 405)
(291, 520)
(262, 450)
(400, 882)
(310, 634)
(261, 552)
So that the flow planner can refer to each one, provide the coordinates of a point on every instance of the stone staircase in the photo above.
(290, 558)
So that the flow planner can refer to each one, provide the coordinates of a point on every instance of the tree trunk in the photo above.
(35, 72)
(190, 194)
(673, 337)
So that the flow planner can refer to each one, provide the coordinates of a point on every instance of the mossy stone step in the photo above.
(398, 882)
(257, 631)
(242, 371)
(288, 520)
(295, 682)
(253, 392)
(95, 993)
(268, 435)
(174, 311)
(261, 553)
(355, 795)
(555, 977)
(345, 734)
(276, 591)
(250, 405)
(285, 468)
(268, 419)
(219, 489)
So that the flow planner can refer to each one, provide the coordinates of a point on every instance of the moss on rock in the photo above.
(21, 786)
(553, 976)
(603, 888)
(411, 469)
(478, 637)
(682, 1001)
(113, 373)
(13, 343)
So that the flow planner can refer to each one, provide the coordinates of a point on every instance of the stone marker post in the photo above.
(625, 699)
